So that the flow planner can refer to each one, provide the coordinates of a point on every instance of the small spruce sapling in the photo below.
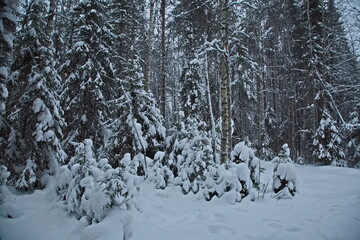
(90, 188)
(285, 182)
(4, 192)
(160, 172)
(27, 177)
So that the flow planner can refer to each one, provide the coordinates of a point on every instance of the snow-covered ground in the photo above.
(327, 207)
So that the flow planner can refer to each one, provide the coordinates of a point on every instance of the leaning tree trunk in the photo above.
(225, 87)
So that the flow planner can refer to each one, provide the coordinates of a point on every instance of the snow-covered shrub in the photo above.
(89, 187)
(243, 153)
(160, 173)
(285, 182)
(232, 180)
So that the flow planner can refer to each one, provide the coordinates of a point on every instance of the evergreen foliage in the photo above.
(88, 73)
(7, 30)
(354, 137)
(89, 187)
(327, 142)
(34, 107)
(137, 126)
(285, 182)
(270, 71)
(192, 154)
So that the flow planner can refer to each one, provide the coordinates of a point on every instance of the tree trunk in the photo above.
(149, 43)
(212, 118)
(225, 87)
(163, 58)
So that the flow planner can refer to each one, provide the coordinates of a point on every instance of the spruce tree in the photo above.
(137, 125)
(7, 30)
(353, 127)
(88, 73)
(285, 181)
(35, 112)
(89, 187)
(328, 143)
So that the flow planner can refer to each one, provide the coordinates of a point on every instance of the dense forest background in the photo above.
(179, 82)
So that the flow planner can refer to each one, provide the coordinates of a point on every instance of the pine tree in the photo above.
(35, 111)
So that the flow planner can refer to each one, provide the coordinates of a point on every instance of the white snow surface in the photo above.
(327, 207)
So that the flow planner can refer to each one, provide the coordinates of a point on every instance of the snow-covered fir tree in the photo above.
(190, 92)
(189, 144)
(270, 137)
(354, 137)
(7, 29)
(89, 187)
(137, 125)
(237, 179)
(35, 113)
(160, 172)
(244, 153)
(327, 142)
(285, 181)
(88, 74)
(4, 174)
(5, 194)
(191, 154)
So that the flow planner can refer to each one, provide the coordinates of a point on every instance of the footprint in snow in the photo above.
(270, 220)
(274, 224)
(219, 216)
(293, 229)
(215, 229)
(313, 220)
(241, 210)
(162, 195)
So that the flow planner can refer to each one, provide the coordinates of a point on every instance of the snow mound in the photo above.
(10, 210)
(106, 230)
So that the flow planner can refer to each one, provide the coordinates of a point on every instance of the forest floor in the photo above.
(327, 206)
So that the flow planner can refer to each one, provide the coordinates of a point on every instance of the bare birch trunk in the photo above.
(225, 87)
